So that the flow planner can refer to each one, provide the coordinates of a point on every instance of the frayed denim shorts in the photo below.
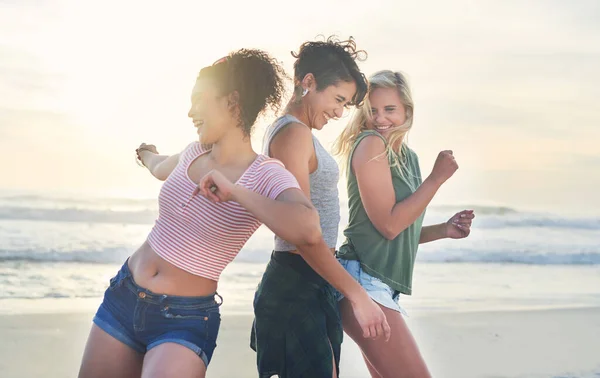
(379, 291)
(142, 319)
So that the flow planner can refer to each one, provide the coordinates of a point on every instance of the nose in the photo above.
(190, 113)
(338, 112)
(378, 118)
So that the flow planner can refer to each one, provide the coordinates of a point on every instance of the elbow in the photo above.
(313, 236)
(389, 235)
(159, 175)
(388, 232)
(310, 233)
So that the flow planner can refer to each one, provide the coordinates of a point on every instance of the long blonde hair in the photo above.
(358, 123)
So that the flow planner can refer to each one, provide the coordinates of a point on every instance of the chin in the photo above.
(204, 139)
(320, 125)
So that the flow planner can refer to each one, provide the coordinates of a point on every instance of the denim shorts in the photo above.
(142, 319)
(379, 291)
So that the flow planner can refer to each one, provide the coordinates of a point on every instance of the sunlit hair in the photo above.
(256, 78)
(358, 123)
(330, 61)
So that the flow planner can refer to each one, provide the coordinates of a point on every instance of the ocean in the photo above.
(57, 253)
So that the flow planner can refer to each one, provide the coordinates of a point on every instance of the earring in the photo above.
(304, 92)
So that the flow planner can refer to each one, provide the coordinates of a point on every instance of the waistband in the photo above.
(298, 265)
(125, 278)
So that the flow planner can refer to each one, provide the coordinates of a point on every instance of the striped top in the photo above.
(202, 237)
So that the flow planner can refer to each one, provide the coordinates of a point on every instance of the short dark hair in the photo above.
(257, 78)
(331, 61)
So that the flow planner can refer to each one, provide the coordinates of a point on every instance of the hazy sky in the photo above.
(513, 87)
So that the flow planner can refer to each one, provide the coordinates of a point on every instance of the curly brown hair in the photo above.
(331, 61)
(256, 78)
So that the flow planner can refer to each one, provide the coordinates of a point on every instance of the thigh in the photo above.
(399, 357)
(105, 356)
(374, 373)
(173, 360)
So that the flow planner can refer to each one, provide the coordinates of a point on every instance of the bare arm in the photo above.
(318, 256)
(160, 166)
(457, 227)
(371, 167)
(291, 217)
(296, 159)
(432, 233)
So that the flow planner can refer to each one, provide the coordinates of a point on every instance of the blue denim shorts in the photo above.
(379, 291)
(142, 319)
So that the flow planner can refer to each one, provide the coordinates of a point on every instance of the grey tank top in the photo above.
(323, 186)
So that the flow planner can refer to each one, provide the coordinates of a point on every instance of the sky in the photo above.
(512, 87)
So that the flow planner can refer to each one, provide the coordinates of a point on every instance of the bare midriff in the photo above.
(152, 272)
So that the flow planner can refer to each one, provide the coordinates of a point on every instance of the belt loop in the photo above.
(220, 297)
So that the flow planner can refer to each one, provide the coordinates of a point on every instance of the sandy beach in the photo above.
(541, 343)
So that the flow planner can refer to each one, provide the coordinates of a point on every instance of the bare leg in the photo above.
(399, 357)
(173, 360)
(372, 371)
(106, 356)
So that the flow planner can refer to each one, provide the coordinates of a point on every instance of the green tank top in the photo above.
(391, 261)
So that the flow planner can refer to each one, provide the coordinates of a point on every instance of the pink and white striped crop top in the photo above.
(202, 237)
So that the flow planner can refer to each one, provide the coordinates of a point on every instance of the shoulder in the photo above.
(294, 143)
(269, 166)
(294, 132)
(270, 175)
(191, 149)
(369, 143)
(369, 134)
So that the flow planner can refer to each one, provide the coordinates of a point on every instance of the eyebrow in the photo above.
(386, 107)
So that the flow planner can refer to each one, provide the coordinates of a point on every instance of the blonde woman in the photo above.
(387, 200)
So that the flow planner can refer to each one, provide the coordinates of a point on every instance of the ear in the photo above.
(309, 82)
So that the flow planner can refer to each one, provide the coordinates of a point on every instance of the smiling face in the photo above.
(387, 110)
(210, 111)
(328, 103)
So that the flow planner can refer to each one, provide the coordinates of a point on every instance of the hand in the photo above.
(371, 318)
(444, 167)
(215, 187)
(145, 147)
(459, 226)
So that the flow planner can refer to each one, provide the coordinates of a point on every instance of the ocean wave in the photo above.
(78, 215)
(113, 255)
(538, 221)
(512, 257)
(76, 201)
(486, 218)
(116, 255)
(50, 296)
(479, 209)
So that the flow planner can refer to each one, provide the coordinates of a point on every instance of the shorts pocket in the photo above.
(170, 312)
(117, 281)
